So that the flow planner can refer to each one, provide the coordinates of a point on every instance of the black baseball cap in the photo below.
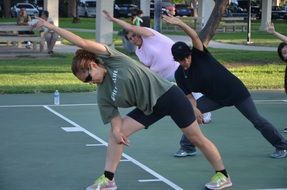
(180, 51)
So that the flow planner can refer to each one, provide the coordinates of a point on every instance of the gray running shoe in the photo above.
(279, 153)
(285, 130)
(184, 153)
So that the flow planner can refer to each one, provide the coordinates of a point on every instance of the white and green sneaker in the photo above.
(219, 181)
(103, 183)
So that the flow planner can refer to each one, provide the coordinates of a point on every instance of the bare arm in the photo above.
(271, 29)
(189, 31)
(88, 45)
(142, 31)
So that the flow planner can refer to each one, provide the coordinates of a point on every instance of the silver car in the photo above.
(31, 9)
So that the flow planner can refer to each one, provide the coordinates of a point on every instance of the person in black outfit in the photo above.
(199, 71)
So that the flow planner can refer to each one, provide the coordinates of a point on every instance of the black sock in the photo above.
(224, 172)
(109, 175)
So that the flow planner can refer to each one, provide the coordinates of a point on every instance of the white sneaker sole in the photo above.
(222, 187)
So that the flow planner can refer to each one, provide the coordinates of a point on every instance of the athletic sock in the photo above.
(224, 172)
(109, 175)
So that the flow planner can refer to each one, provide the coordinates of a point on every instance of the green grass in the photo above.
(258, 70)
(39, 75)
(235, 57)
(260, 38)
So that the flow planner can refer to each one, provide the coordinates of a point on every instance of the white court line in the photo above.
(271, 189)
(94, 145)
(71, 105)
(147, 169)
(147, 180)
(124, 160)
(72, 129)
(38, 105)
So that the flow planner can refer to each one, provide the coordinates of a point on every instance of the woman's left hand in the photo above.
(171, 19)
(270, 28)
(121, 138)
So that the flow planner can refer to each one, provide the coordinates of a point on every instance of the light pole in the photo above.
(249, 23)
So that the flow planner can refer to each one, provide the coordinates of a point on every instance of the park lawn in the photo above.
(257, 70)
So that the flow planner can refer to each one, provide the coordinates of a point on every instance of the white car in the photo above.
(87, 8)
(31, 9)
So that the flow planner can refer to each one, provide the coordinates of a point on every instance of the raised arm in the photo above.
(271, 29)
(142, 31)
(189, 31)
(88, 45)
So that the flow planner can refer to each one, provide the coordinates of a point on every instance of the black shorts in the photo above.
(173, 103)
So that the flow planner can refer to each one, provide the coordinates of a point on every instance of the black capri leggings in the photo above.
(173, 103)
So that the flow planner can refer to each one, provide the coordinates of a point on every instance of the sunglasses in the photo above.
(89, 78)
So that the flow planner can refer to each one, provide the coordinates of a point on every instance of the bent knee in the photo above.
(130, 126)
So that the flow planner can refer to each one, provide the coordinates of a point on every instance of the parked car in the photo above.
(183, 10)
(256, 12)
(124, 10)
(169, 7)
(233, 10)
(87, 8)
(31, 9)
(278, 13)
(166, 7)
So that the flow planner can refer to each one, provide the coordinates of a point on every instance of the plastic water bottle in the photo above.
(56, 98)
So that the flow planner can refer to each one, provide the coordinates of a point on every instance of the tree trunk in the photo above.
(209, 29)
(6, 8)
(72, 5)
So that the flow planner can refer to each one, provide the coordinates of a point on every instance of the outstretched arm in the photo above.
(88, 45)
(142, 31)
(189, 31)
(271, 29)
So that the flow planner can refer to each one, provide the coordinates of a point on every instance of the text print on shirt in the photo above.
(115, 89)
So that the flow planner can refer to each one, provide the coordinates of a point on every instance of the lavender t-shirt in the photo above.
(155, 53)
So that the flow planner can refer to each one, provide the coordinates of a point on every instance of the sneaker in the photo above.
(206, 118)
(279, 154)
(103, 183)
(285, 130)
(184, 153)
(219, 181)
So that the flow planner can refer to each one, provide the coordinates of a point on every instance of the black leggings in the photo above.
(174, 104)
(248, 109)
